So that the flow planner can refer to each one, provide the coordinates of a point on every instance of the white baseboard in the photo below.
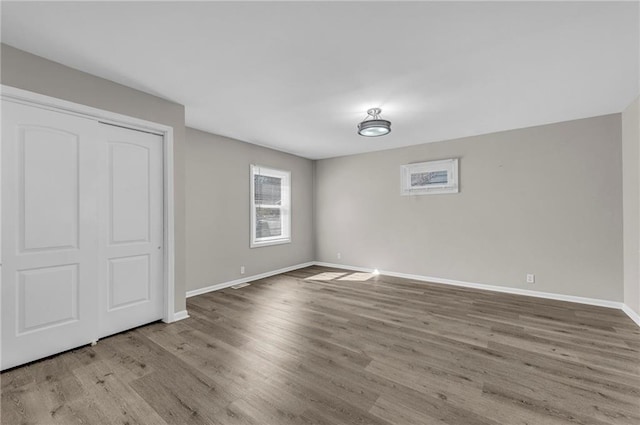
(483, 286)
(345, 267)
(632, 314)
(505, 289)
(177, 315)
(517, 291)
(223, 285)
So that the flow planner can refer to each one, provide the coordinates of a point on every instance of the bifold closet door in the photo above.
(82, 231)
(49, 233)
(131, 207)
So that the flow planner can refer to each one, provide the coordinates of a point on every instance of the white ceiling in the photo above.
(299, 76)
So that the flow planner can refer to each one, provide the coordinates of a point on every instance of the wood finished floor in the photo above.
(323, 346)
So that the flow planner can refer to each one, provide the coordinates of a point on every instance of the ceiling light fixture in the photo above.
(373, 126)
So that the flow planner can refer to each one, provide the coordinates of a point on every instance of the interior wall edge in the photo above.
(631, 204)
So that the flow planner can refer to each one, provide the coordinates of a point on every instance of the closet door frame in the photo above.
(16, 95)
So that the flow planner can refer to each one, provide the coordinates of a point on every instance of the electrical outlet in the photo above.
(531, 278)
(241, 269)
(339, 256)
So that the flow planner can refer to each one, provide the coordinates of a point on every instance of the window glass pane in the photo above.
(268, 222)
(429, 177)
(268, 190)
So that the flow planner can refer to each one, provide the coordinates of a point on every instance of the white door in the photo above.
(131, 207)
(49, 236)
(82, 231)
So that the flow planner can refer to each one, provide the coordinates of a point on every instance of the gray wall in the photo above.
(544, 200)
(631, 203)
(29, 72)
(218, 208)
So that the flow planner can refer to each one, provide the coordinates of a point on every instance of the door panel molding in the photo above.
(134, 270)
(39, 313)
(59, 149)
(126, 194)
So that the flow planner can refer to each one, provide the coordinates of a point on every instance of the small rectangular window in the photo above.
(270, 206)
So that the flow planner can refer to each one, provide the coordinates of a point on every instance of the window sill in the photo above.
(269, 243)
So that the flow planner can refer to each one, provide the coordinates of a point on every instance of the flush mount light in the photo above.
(373, 126)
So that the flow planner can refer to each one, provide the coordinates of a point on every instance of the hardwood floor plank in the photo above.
(332, 347)
(114, 397)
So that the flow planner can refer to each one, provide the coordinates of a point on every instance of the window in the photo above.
(270, 206)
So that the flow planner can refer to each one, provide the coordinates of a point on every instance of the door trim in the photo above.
(16, 95)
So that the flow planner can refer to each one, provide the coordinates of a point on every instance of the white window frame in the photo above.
(285, 207)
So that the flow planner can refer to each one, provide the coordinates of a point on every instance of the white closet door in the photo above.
(131, 207)
(49, 236)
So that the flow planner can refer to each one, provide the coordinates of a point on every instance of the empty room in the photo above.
(309, 212)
